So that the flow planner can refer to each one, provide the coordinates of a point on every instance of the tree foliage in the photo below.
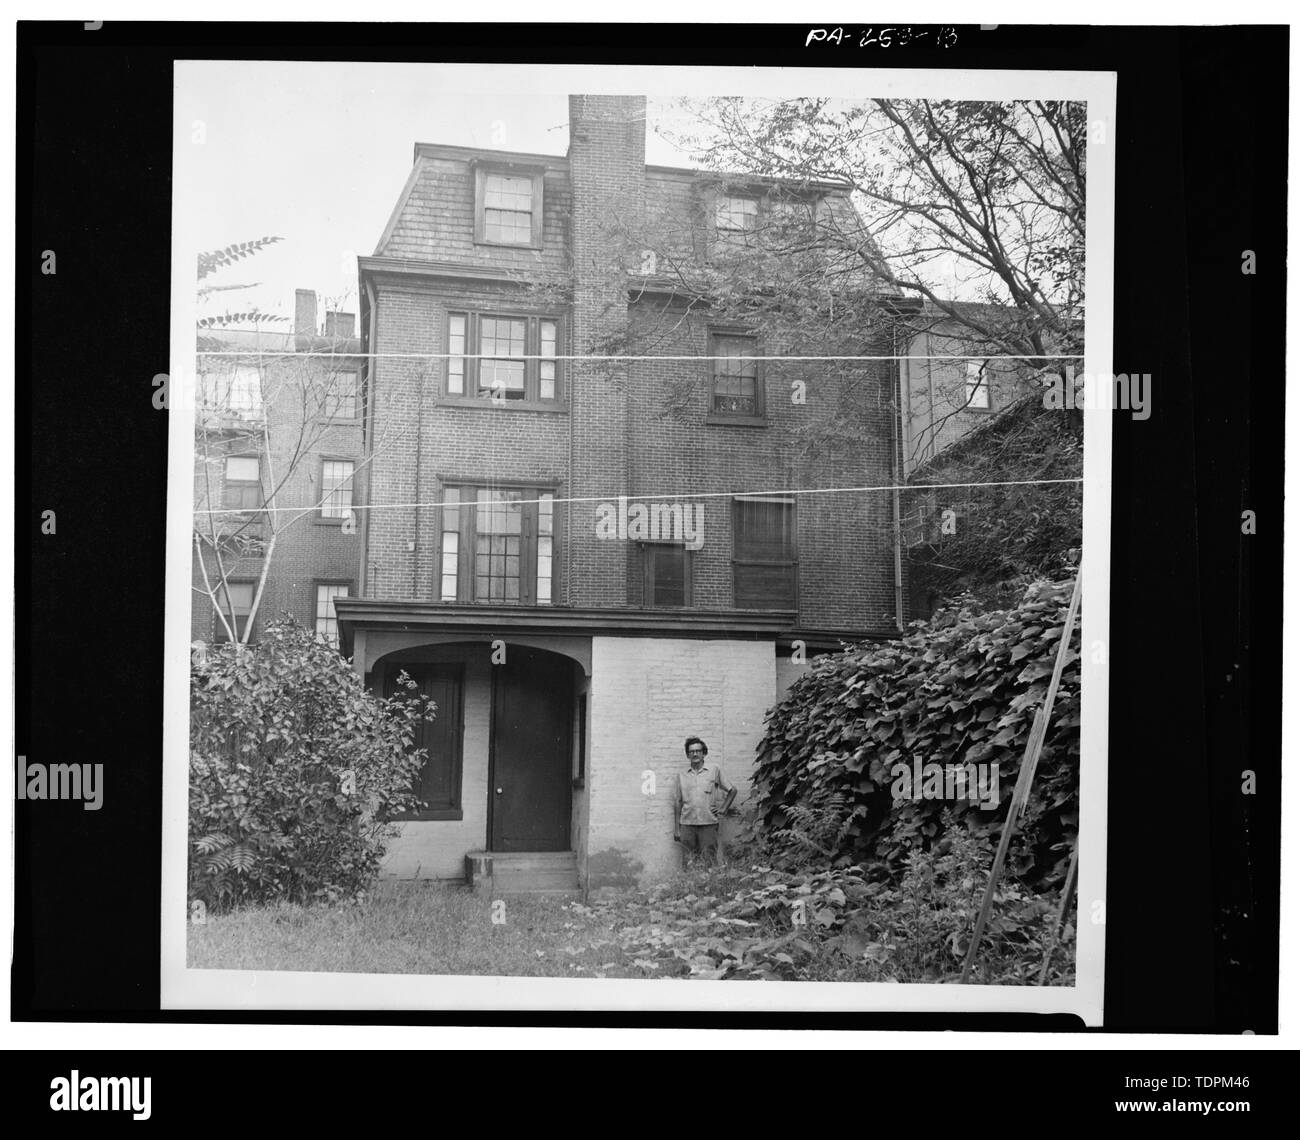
(964, 689)
(991, 541)
(988, 194)
(295, 771)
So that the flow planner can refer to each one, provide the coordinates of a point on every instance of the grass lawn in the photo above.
(711, 923)
(419, 928)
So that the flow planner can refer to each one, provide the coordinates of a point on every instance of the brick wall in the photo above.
(844, 541)
(615, 433)
(647, 696)
(606, 171)
(421, 444)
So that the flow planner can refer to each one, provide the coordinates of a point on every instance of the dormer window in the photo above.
(508, 206)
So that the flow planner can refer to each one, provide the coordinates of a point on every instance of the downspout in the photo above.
(571, 390)
(368, 434)
(895, 462)
(419, 449)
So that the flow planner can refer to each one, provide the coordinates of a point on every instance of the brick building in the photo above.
(585, 560)
(279, 426)
(951, 410)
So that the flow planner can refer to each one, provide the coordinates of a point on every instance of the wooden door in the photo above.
(532, 714)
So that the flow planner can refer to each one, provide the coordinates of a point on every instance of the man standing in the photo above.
(695, 824)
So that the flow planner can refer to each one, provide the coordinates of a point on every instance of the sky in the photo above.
(317, 153)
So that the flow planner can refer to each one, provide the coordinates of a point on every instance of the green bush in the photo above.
(963, 688)
(295, 771)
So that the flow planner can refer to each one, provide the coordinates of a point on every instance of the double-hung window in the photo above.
(336, 488)
(243, 490)
(327, 624)
(498, 545)
(735, 214)
(977, 386)
(764, 557)
(340, 395)
(667, 575)
(236, 601)
(736, 380)
(508, 206)
(232, 390)
(502, 357)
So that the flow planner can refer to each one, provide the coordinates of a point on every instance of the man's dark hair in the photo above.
(695, 740)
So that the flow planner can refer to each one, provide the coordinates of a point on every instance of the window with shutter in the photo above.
(764, 557)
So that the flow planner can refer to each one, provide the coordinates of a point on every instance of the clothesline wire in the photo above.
(780, 493)
(696, 356)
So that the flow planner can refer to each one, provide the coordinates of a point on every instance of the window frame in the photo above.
(729, 195)
(218, 629)
(758, 418)
(648, 552)
(243, 484)
(980, 382)
(336, 520)
(317, 585)
(471, 365)
(466, 531)
(481, 172)
(355, 417)
(793, 561)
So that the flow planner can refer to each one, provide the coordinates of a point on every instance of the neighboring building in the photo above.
(505, 568)
(282, 431)
(951, 412)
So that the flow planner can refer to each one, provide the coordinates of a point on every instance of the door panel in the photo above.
(532, 711)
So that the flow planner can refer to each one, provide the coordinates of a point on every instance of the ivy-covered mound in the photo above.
(963, 688)
(294, 770)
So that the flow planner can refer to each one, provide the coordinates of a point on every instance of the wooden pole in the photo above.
(1060, 910)
(1028, 763)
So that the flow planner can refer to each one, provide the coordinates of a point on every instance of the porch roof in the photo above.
(503, 620)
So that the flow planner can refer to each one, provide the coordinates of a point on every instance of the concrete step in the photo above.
(536, 880)
(535, 861)
(557, 892)
(523, 872)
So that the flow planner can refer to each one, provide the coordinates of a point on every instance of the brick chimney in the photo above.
(340, 326)
(304, 319)
(607, 178)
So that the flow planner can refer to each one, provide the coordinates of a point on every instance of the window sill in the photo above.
(555, 407)
(321, 521)
(507, 244)
(718, 419)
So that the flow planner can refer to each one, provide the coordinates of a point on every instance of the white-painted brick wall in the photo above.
(647, 696)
